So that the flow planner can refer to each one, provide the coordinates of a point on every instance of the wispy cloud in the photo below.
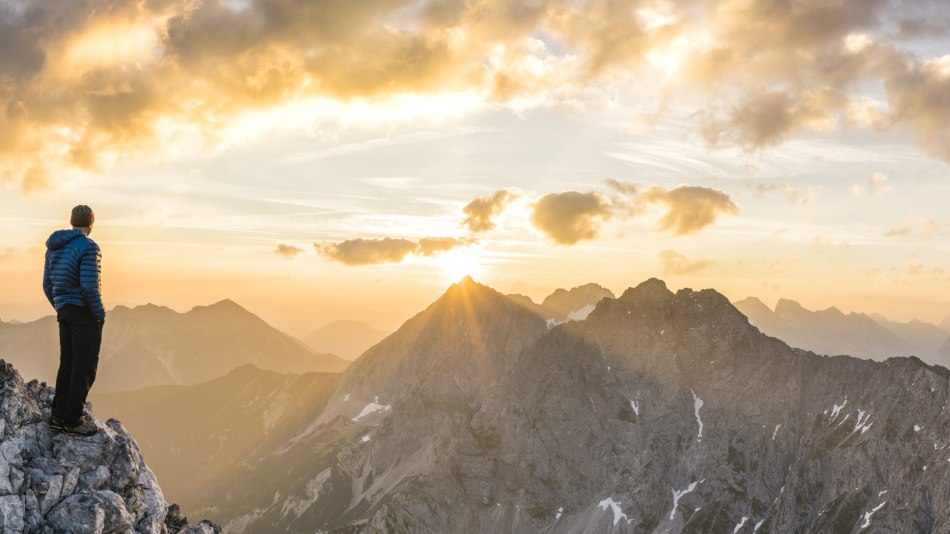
(875, 185)
(913, 226)
(672, 262)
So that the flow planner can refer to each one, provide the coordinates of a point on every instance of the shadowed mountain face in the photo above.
(195, 438)
(659, 412)
(347, 339)
(153, 345)
(833, 332)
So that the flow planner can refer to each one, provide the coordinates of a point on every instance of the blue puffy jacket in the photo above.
(73, 273)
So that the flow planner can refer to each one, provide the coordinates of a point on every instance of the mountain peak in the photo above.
(788, 306)
(649, 290)
(467, 288)
(226, 306)
(752, 303)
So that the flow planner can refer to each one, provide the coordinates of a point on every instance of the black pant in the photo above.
(80, 335)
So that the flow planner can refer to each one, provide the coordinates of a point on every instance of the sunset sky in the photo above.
(314, 159)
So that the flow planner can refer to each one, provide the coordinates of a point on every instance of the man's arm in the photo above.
(48, 279)
(90, 280)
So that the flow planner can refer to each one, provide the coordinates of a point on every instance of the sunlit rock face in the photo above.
(658, 412)
(52, 482)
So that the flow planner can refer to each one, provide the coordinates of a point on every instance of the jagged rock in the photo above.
(53, 482)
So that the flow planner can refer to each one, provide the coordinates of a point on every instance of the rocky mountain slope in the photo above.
(51, 482)
(833, 332)
(230, 420)
(347, 339)
(659, 412)
(153, 345)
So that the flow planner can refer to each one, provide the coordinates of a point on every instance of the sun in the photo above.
(461, 262)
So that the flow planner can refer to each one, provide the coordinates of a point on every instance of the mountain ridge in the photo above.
(150, 345)
(658, 412)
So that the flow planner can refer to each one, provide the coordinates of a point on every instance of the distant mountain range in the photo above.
(153, 345)
(658, 412)
(832, 332)
(347, 339)
(563, 305)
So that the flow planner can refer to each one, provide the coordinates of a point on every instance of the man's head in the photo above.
(83, 218)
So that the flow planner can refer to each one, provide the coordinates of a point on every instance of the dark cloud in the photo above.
(690, 208)
(480, 212)
(571, 216)
(672, 262)
(288, 251)
(388, 250)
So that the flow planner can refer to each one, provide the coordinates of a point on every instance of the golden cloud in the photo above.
(387, 250)
(288, 252)
(571, 216)
(87, 83)
(690, 208)
(481, 211)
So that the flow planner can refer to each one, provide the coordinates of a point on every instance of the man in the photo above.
(72, 281)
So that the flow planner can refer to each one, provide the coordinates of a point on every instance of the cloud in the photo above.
(481, 211)
(571, 216)
(873, 186)
(793, 195)
(387, 250)
(288, 251)
(433, 246)
(914, 267)
(762, 119)
(690, 208)
(672, 262)
(915, 227)
(625, 198)
(137, 79)
(368, 251)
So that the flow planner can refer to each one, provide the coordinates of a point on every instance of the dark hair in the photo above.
(82, 216)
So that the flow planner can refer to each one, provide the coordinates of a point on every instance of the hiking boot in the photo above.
(86, 426)
(56, 424)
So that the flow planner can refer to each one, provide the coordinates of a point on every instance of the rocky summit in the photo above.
(659, 412)
(51, 482)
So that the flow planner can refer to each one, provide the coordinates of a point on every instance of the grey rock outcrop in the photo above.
(51, 482)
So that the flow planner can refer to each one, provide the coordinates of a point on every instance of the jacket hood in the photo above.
(59, 238)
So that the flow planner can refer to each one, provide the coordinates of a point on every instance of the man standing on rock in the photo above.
(72, 281)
